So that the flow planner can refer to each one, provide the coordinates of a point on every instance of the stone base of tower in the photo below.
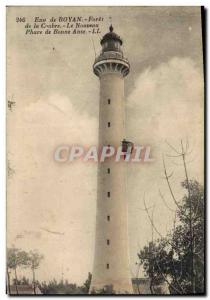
(113, 286)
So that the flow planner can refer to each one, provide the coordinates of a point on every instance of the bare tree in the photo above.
(188, 212)
(152, 254)
(183, 153)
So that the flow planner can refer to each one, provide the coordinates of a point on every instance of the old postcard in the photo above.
(105, 150)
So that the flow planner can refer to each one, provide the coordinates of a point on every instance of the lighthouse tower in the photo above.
(111, 260)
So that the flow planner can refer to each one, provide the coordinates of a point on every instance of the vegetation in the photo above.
(178, 258)
(34, 262)
(106, 290)
(64, 287)
(54, 287)
(17, 258)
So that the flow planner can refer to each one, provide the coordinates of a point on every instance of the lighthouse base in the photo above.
(111, 287)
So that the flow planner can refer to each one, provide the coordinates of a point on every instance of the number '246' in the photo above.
(20, 19)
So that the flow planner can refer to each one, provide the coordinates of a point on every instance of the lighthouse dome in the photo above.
(111, 41)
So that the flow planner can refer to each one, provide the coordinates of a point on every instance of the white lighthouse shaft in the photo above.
(111, 260)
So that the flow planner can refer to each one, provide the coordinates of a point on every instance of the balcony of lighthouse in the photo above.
(111, 60)
(111, 55)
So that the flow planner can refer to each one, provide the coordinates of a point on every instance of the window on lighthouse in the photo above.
(107, 266)
(109, 124)
(108, 150)
(108, 242)
(109, 101)
(105, 45)
(108, 170)
(108, 194)
(117, 46)
(108, 218)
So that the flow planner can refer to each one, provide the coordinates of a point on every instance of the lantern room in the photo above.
(111, 41)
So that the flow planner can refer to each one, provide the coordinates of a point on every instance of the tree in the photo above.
(178, 258)
(15, 259)
(34, 261)
(172, 256)
(86, 285)
(54, 287)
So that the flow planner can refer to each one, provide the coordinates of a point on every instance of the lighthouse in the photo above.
(111, 259)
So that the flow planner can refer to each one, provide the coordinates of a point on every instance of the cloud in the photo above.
(167, 101)
(166, 104)
(57, 112)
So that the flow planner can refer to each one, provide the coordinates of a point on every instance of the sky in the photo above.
(51, 207)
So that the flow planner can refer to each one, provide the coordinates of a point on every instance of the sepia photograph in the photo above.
(105, 150)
